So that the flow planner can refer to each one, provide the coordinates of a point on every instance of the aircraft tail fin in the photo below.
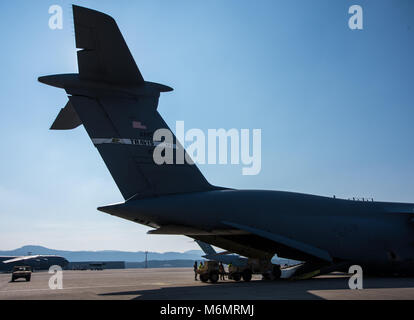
(122, 130)
(119, 112)
(208, 249)
(105, 55)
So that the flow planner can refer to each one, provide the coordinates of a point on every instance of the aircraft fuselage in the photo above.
(377, 235)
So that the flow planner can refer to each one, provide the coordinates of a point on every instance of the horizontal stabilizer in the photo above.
(67, 119)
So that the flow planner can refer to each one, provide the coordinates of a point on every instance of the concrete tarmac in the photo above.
(178, 284)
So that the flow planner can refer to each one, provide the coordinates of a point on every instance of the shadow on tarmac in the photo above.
(262, 290)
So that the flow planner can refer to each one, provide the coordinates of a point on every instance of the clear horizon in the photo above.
(57, 249)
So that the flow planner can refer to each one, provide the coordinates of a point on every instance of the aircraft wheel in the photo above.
(204, 277)
(247, 275)
(214, 276)
(236, 276)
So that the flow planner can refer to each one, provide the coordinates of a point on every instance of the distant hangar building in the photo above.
(95, 265)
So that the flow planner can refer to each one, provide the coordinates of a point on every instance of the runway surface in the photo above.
(178, 283)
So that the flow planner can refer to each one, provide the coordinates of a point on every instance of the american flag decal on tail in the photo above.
(138, 125)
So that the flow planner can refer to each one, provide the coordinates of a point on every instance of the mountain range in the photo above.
(105, 255)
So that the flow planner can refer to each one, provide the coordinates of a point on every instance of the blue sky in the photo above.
(335, 106)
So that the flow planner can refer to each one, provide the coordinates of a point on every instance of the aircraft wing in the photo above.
(285, 242)
(18, 259)
(105, 56)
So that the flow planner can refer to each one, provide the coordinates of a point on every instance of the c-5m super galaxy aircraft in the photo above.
(119, 111)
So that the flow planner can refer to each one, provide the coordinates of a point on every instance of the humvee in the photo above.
(21, 272)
